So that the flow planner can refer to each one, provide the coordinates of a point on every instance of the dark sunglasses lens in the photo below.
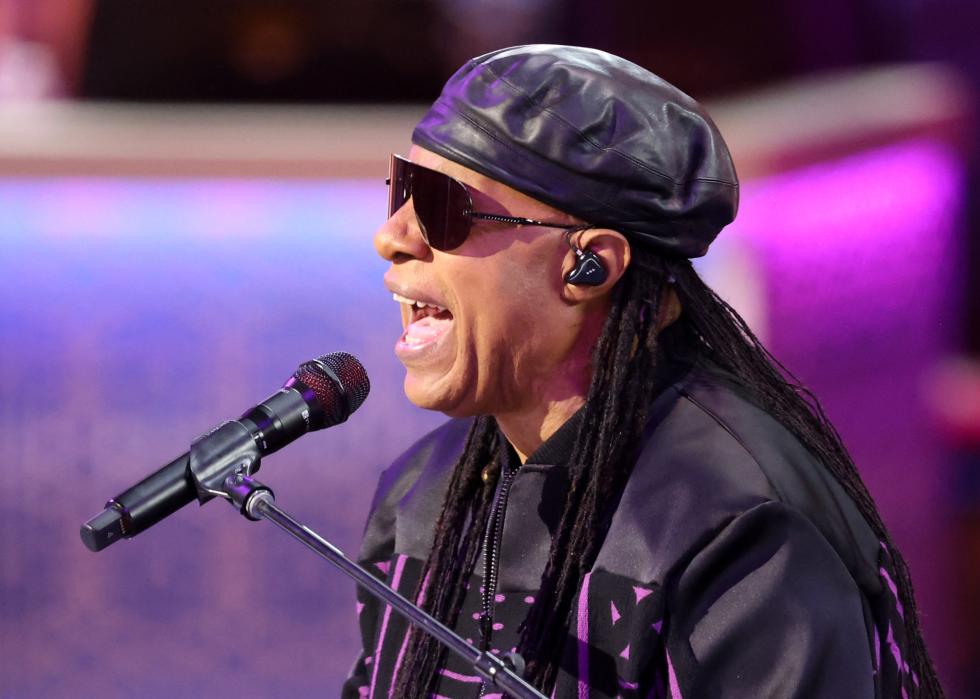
(440, 203)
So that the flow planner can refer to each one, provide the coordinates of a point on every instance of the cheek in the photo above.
(499, 296)
(508, 295)
(513, 311)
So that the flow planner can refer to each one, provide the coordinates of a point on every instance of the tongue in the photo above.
(427, 329)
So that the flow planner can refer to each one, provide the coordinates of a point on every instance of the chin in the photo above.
(429, 395)
(423, 394)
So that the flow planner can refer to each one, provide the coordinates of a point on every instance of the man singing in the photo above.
(630, 495)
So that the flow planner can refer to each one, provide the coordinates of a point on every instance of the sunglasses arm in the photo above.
(520, 221)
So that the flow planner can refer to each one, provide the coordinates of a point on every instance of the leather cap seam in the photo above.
(605, 149)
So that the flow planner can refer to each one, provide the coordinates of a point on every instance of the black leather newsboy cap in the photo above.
(592, 135)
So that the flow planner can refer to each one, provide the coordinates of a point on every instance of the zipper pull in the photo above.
(486, 627)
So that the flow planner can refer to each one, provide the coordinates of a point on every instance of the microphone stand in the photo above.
(255, 501)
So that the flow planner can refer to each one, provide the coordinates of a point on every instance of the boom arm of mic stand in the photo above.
(255, 501)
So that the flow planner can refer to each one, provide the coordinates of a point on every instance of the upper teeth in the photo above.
(413, 302)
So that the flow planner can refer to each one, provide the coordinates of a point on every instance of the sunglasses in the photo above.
(443, 205)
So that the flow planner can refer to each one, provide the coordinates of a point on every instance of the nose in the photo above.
(400, 236)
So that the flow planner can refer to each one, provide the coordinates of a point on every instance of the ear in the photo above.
(612, 249)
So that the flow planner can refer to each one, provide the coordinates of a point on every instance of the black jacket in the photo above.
(734, 566)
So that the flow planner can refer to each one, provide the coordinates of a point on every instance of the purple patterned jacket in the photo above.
(735, 565)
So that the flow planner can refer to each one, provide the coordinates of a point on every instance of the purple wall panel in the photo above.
(136, 314)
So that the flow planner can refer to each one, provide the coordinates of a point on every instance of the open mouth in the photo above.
(425, 322)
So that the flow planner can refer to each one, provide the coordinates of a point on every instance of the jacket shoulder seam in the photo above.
(735, 436)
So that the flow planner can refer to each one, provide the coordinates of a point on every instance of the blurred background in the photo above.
(187, 197)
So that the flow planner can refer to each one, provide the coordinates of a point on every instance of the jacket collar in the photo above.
(555, 451)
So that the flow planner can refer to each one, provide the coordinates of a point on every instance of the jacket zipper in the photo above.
(491, 556)
(491, 561)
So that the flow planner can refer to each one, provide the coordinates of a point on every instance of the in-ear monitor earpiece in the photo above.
(588, 270)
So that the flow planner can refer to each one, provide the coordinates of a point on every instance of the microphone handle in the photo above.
(155, 497)
(286, 415)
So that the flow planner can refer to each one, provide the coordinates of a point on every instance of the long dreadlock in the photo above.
(454, 552)
(615, 412)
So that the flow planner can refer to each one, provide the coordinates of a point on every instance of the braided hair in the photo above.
(616, 410)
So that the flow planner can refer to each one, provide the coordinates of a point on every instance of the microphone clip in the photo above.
(227, 452)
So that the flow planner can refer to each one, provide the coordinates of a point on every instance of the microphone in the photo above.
(321, 393)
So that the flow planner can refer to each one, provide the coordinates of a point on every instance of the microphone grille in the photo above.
(339, 401)
(352, 376)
